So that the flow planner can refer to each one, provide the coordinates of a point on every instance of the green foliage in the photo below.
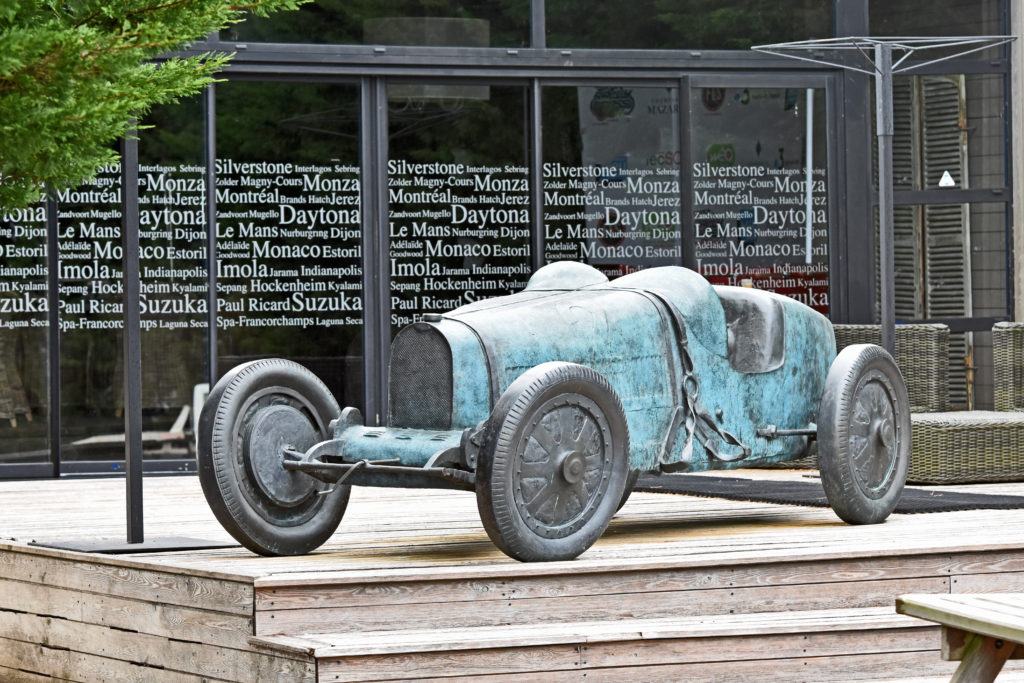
(75, 74)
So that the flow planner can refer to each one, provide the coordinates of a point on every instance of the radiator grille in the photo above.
(420, 383)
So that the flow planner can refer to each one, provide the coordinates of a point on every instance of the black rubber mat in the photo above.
(810, 493)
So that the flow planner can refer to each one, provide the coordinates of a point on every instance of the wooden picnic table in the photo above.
(981, 631)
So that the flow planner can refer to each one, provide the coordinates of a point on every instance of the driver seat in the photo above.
(756, 323)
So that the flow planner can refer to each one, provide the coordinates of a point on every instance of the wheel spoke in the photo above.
(567, 421)
(871, 459)
(542, 436)
(543, 494)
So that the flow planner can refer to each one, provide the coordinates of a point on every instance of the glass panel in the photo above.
(289, 249)
(704, 24)
(459, 196)
(91, 319)
(172, 296)
(750, 190)
(611, 169)
(23, 336)
(440, 23)
(173, 290)
(937, 18)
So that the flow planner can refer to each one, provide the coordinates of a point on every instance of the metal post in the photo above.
(382, 267)
(376, 262)
(886, 240)
(537, 232)
(132, 338)
(53, 336)
(538, 28)
(687, 233)
(210, 176)
(809, 191)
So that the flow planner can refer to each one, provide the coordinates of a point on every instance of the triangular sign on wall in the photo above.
(947, 180)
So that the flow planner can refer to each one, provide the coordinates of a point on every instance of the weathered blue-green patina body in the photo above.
(709, 377)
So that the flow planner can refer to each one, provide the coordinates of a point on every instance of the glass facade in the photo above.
(611, 177)
(289, 241)
(440, 23)
(760, 190)
(354, 196)
(458, 196)
(24, 394)
(701, 24)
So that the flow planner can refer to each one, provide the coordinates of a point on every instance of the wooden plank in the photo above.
(639, 559)
(95, 574)
(191, 625)
(19, 676)
(77, 666)
(342, 644)
(694, 660)
(463, 586)
(823, 670)
(595, 608)
(193, 658)
(988, 582)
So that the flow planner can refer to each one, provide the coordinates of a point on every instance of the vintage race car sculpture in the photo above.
(550, 402)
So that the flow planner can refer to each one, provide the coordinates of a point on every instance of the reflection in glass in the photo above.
(610, 174)
(289, 249)
(459, 197)
(937, 18)
(441, 23)
(705, 24)
(23, 329)
(750, 190)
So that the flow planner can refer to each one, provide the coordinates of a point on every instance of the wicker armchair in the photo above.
(1008, 366)
(921, 352)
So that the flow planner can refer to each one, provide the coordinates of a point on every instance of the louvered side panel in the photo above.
(947, 280)
(906, 219)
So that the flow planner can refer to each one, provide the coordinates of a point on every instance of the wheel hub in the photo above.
(269, 432)
(573, 466)
(885, 432)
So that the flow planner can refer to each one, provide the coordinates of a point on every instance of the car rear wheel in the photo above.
(553, 468)
(864, 434)
(253, 413)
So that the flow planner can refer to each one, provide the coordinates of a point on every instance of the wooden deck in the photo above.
(680, 588)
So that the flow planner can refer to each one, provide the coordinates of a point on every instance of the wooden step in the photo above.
(495, 595)
(815, 645)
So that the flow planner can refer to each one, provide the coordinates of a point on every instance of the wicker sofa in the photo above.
(978, 445)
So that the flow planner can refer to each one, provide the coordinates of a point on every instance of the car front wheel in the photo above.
(553, 468)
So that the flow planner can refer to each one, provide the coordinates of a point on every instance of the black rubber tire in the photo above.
(259, 397)
(864, 434)
(576, 486)
(631, 480)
